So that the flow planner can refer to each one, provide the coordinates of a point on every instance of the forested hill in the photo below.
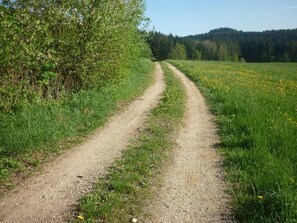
(229, 45)
(225, 34)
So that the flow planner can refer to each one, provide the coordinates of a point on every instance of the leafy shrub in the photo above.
(50, 47)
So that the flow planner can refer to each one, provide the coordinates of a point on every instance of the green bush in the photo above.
(51, 47)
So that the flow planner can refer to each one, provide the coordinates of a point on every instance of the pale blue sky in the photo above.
(186, 17)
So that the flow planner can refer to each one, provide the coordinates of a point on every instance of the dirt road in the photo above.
(193, 189)
(47, 197)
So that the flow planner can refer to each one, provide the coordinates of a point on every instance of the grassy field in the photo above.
(30, 135)
(256, 108)
(121, 195)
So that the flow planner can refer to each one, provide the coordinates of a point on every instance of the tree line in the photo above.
(227, 44)
(52, 47)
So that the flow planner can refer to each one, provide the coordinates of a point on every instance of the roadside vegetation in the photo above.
(64, 67)
(52, 48)
(29, 135)
(122, 193)
(256, 112)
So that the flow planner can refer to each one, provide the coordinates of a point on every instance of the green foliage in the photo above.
(48, 48)
(256, 109)
(160, 45)
(178, 53)
(123, 192)
(49, 127)
(8, 165)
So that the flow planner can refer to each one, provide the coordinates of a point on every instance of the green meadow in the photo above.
(256, 109)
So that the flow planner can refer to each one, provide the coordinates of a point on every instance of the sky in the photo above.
(190, 17)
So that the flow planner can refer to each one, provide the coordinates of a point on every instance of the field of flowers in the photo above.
(256, 108)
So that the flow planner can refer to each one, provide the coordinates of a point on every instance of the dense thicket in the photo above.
(227, 44)
(51, 47)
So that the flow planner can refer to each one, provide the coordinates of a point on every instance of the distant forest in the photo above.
(226, 44)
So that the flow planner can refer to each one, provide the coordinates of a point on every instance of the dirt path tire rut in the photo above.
(47, 197)
(193, 189)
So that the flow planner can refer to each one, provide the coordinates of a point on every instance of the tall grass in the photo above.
(256, 108)
(28, 134)
(121, 194)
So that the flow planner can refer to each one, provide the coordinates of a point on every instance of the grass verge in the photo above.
(30, 136)
(256, 111)
(121, 194)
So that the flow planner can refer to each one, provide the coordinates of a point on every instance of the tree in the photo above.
(178, 53)
(196, 55)
(223, 53)
(208, 50)
(161, 45)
